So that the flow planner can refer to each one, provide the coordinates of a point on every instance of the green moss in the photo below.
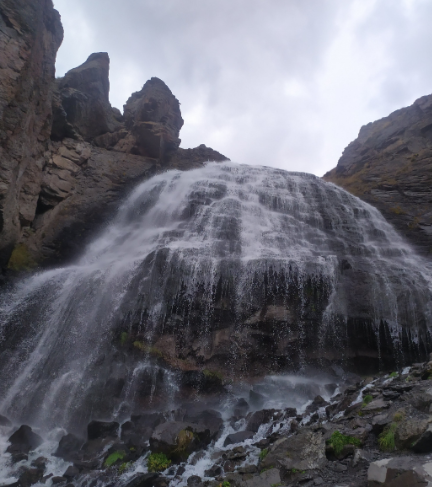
(367, 399)
(338, 441)
(21, 260)
(386, 439)
(225, 483)
(147, 349)
(393, 375)
(296, 470)
(184, 439)
(157, 462)
(263, 454)
(114, 457)
(124, 337)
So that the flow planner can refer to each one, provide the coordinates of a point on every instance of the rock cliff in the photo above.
(66, 155)
(30, 34)
(389, 165)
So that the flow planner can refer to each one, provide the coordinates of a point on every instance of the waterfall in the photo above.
(229, 268)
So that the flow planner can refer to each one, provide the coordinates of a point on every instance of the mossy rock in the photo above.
(21, 259)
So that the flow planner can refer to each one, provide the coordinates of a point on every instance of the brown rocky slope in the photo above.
(389, 166)
(66, 156)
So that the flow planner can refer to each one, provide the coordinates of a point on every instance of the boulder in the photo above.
(208, 424)
(176, 439)
(400, 472)
(261, 417)
(268, 478)
(241, 407)
(424, 443)
(409, 431)
(238, 437)
(68, 447)
(24, 440)
(303, 451)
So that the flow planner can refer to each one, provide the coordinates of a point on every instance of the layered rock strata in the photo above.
(30, 34)
(389, 165)
(66, 155)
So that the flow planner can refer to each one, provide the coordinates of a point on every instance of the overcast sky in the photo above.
(283, 83)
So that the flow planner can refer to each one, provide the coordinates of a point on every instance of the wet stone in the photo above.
(194, 481)
(68, 446)
(238, 437)
(23, 441)
(71, 472)
(58, 480)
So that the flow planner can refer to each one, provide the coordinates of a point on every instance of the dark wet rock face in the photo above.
(24, 440)
(30, 34)
(389, 165)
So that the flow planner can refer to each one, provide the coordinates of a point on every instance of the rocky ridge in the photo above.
(67, 156)
(389, 166)
(377, 432)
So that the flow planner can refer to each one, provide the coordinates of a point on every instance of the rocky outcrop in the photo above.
(389, 165)
(153, 119)
(30, 34)
(81, 105)
(67, 156)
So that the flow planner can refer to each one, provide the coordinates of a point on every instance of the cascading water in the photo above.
(228, 268)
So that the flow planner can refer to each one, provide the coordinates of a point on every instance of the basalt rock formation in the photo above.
(389, 165)
(67, 156)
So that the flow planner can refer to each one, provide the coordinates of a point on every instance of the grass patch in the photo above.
(386, 439)
(393, 375)
(225, 483)
(338, 441)
(157, 462)
(263, 454)
(114, 457)
(367, 399)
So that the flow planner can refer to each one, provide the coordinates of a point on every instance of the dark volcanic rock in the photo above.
(389, 165)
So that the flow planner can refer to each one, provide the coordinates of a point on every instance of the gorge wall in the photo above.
(67, 157)
(389, 165)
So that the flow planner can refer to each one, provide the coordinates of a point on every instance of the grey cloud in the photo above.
(235, 67)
